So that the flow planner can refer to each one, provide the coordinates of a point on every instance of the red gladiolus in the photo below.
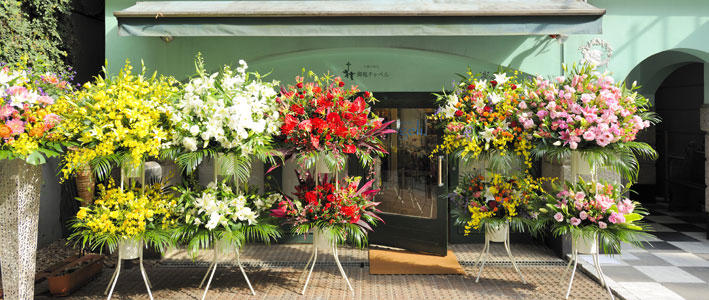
(298, 109)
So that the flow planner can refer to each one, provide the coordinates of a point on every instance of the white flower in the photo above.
(213, 220)
(480, 84)
(494, 98)
(501, 78)
(189, 143)
(194, 130)
(487, 134)
(557, 143)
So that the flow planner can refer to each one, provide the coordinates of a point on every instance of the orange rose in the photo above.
(5, 131)
(37, 131)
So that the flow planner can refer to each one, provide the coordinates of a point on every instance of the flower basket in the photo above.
(497, 233)
(129, 249)
(321, 240)
(85, 185)
(585, 244)
(72, 276)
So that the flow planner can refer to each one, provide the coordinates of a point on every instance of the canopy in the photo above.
(359, 18)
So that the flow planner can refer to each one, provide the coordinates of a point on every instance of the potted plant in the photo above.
(334, 211)
(28, 136)
(126, 220)
(483, 117)
(116, 121)
(495, 203)
(593, 212)
(223, 218)
(587, 117)
(322, 120)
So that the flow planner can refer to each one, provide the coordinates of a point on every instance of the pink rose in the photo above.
(580, 196)
(6, 111)
(616, 218)
(603, 202)
(583, 215)
(575, 221)
(602, 225)
(558, 217)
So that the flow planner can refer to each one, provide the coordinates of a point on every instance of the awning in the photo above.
(359, 18)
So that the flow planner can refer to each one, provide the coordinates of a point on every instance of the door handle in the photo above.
(440, 170)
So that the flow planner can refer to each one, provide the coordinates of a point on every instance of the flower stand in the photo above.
(129, 249)
(585, 245)
(20, 184)
(499, 234)
(322, 241)
(222, 247)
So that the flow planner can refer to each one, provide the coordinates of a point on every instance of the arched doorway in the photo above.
(673, 186)
(679, 170)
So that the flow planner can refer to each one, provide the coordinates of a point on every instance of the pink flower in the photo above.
(583, 215)
(558, 217)
(580, 196)
(51, 120)
(14, 90)
(626, 206)
(616, 218)
(589, 135)
(602, 225)
(603, 202)
(6, 111)
(575, 221)
(46, 100)
(16, 125)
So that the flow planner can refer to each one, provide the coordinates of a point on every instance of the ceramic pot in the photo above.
(586, 244)
(497, 234)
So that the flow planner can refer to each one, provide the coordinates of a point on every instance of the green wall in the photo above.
(636, 29)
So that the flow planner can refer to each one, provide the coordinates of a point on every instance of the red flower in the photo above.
(289, 124)
(349, 149)
(341, 131)
(297, 108)
(333, 118)
(493, 83)
(471, 87)
(492, 204)
(315, 141)
(312, 198)
(306, 125)
(299, 85)
(341, 83)
(367, 94)
(458, 113)
(513, 86)
(318, 124)
(354, 219)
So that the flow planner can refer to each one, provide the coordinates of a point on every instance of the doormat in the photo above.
(390, 261)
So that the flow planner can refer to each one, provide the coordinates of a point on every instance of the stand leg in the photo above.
(573, 272)
(211, 265)
(307, 264)
(206, 289)
(238, 260)
(307, 279)
(342, 271)
(480, 257)
(596, 263)
(514, 264)
(114, 280)
(142, 272)
(484, 258)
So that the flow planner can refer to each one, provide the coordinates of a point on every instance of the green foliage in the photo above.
(33, 30)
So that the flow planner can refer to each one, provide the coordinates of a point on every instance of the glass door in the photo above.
(413, 184)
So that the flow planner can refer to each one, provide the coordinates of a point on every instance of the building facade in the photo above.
(662, 45)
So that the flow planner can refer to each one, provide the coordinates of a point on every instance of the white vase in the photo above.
(129, 249)
(20, 185)
(497, 234)
(586, 244)
(322, 240)
(224, 246)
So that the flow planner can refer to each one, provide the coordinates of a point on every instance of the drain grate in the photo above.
(294, 264)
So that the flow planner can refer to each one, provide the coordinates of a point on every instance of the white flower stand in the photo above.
(222, 247)
(499, 234)
(322, 241)
(585, 245)
(129, 249)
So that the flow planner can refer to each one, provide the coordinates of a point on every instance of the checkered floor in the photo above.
(674, 265)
